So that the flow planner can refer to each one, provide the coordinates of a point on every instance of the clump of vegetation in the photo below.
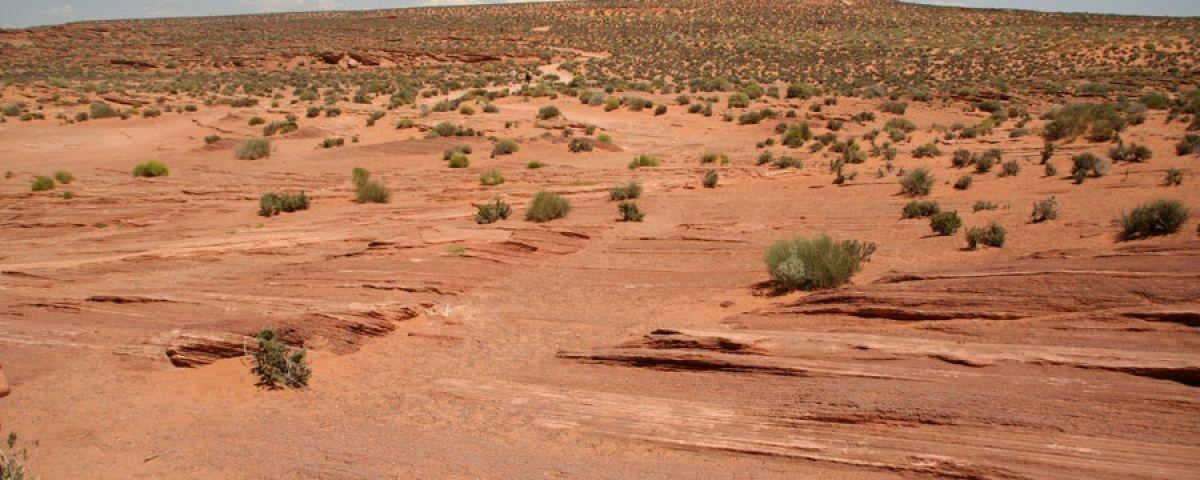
(458, 160)
(492, 212)
(253, 149)
(918, 182)
(1087, 165)
(42, 183)
(644, 161)
(713, 157)
(534, 164)
(1010, 169)
(1101, 122)
(1174, 177)
(548, 112)
(630, 212)
(945, 223)
(711, 178)
(505, 146)
(1050, 170)
(927, 150)
(211, 139)
(1188, 145)
(14, 464)
(797, 135)
(1133, 153)
(1044, 210)
(333, 142)
(787, 161)
(153, 168)
(463, 149)
(981, 205)
(964, 182)
(579, 145)
(626, 191)
(992, 235)
(271, 204)
(816, 263)
(547, 206)
(1159, 217)
(491, 177)
(278, 365)
(367, 190)
(102, 110)
(920, 209)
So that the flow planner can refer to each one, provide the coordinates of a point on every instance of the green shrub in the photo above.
(986, 160)
(785, 161)
(1087, 165)
(739, 100)
(660, 110)
(505, 146)
(534, 164)
(1010, 169)
(604, 137)
(463, 149)
(278, 365)
(630, 212)
(712, 157)
(257, 121)
(458, 160)
(153, 168)
(894, 107)
(271, 204)
(102, 110)
(981, 205)
(920, 209)
(313, 112)
(964, 182)
(369, 191)
(1133, 153)
(491, 177)
(917, 183)
(1044, 210)
(962, 158)
(253, 149)
(992, 236)
(945, 223)
(333, 142)
(1050, 170)
(547, 206)
(711, 178)
(796, 136)
(360, 176)
(816, 263)
(492, 212)
(644, 161)
(14, 464)
(64, 177)
(626, 191)
(578, 145)
(1100, 122)
(151, 113)
(548, 112)
(1189, 145)
(1174, 177)
(1159, 217)
(42, 183)
(211, 139)
(926, 150)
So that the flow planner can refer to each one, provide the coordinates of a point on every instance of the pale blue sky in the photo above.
(24, 13)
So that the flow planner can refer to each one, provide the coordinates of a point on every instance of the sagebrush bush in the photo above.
(548, 112)
(786, 161)
(367, 190)
(102, 110)
(492, 212)
(964, 182)
(547, 206)
(1188, 145)
(992, 235)
(253, 149)
(918, 182)
(579, 145)
(1174, 177)
(278, 365)
(1087, 165)
(211, 139)
(1132, 153)
(644, 161)
(491, 177)
(153, 168)
(42, 183)
(1044, 210)
(626, 191)
(711, 178)
(920, 209)
(945, 223)
(534, 164)
(271, 204)
(64, 177)
(630, 212)
(458, 160)
(1158, 217)
(712, 157)
(1010, 169)
(816, 263)
(505, 146)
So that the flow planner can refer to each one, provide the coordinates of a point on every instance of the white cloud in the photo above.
(61, 10)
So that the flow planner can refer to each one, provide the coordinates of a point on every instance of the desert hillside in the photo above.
(854, 239)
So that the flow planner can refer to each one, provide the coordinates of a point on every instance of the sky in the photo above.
(25, 13)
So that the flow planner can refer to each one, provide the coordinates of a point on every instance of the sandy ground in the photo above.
(584, 347)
